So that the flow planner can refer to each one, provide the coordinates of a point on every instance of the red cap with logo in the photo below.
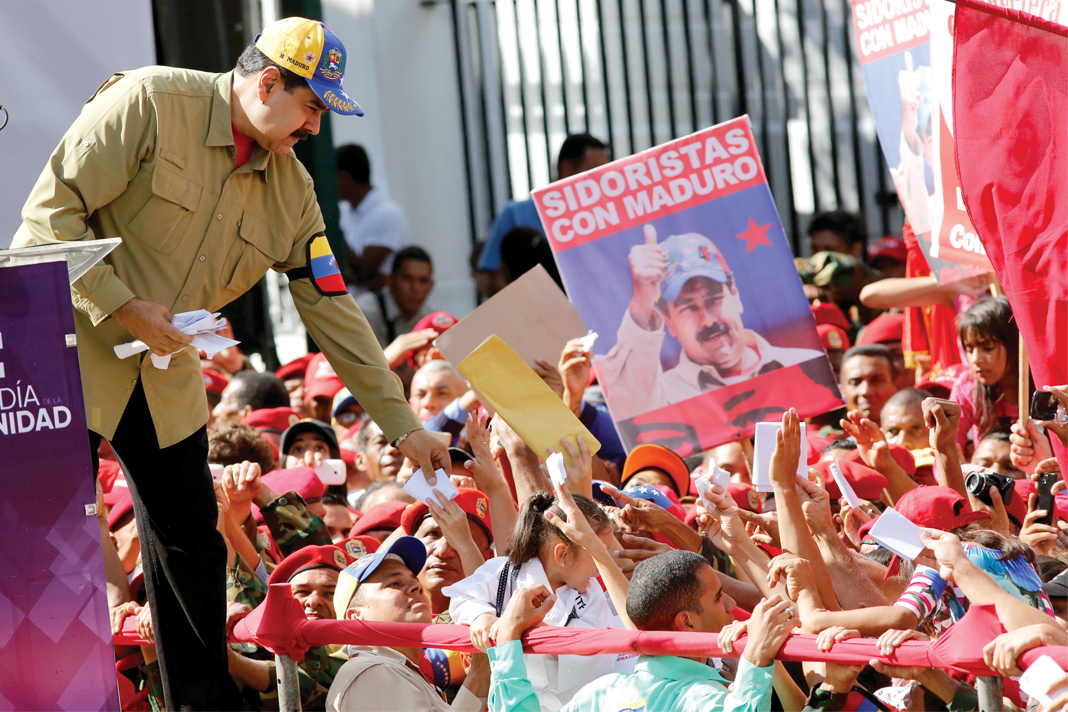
(473, 502)
(310, 557)
(274, 420)
(439, 322)
(938, 508)
(828, 313)
(320, 380)
(833, 337)
(887, 327)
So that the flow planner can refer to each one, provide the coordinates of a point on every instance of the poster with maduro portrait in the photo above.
(907, 79)
(676, 257)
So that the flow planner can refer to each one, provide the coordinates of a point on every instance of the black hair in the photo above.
(261, 390)
(253, 61)
(883, 556)
(663, 586)
(364, 435)
(234, 445)
(411, 252)
(990, 320)
(352, 159)
(873, 351)
(374, 487)
(849, 225)
(907, 397)
(1048, 567)
(574, 148)
(1010, 547)
(523, 249)
(533, 532)
(335, 498)
(996, 433)
(840, 443)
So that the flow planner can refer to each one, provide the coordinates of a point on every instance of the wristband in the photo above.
(397, 443)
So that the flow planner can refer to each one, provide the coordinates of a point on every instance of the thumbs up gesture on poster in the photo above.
(647, 263)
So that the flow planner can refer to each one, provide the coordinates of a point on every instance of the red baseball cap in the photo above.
(887, 327)
(320, 380)
(902, 455)
(296, 367)
(473, 502)
(830, 313)
(386, 515)
(310, 557)
(439, 322)
(274, 420)
(657, 457)
(301, 480)
(214, 382)
(890, 247)
(938, 508)
(833, 337)
(866, 482)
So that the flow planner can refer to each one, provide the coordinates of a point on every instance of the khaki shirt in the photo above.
(151, 159)
(384, 680)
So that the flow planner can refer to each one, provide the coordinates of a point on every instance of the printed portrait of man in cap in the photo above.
(684, 287)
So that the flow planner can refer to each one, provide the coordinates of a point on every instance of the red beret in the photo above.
(214, 382)
(888, 327)
(386, 515)
(828, 313)
(866, 482)
(320, 380)
(296, 367)
(357, 546)
(276, 420)
(902, 455)
(833, 337)
(310, 557)
(474, 502)
(745, 496)
(301, 480)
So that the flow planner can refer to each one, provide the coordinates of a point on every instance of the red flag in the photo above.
(931, 330)
(1010, 109)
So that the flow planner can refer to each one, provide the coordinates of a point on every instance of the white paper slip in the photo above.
(704, 487)
(1037, 680)
(718, 475)
(844, 486)
(200, 324)
(557, 472)
(893, 531)
(418, 488)
(763, 450)
(588, 340)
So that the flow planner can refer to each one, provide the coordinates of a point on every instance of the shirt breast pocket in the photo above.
(257, 248)
(166, 217)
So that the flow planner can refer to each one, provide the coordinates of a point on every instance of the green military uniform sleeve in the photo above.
(292, 525)
(98, 156)
(341, 331)
(243, 585)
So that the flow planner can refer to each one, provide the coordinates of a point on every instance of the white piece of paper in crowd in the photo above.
(762, 451)
(557, 472)
(588, 340)
(893, 531)
(419, 489)
(844, 486)
(1037, 679)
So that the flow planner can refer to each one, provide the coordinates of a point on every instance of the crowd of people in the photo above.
(627, 543)
(308, 464)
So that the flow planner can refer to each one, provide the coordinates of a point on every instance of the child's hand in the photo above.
(482, 631)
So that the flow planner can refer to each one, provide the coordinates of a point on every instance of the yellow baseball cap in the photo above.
(311, 50)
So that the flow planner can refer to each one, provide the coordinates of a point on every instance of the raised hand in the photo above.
(787, 450)
(943, 418)
(241, 482)
(647, 265)
(482, 468)
(637, 516)
(574, 367)
(771, 624)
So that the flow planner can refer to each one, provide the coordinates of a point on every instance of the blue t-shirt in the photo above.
(520, 213)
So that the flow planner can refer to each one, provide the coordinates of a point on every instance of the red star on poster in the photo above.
(755, 235)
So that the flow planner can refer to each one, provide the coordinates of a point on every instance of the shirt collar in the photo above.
(380, 651)
(673, 668)
(220, 127)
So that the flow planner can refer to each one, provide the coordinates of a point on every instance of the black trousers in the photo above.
(183, 555)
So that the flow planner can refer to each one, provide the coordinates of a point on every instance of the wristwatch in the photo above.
(397, 443)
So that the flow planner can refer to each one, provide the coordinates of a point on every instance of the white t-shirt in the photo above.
(377, 221)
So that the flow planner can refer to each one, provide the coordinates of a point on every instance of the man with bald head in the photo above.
(442, 399)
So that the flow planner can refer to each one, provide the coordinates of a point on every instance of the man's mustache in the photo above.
(717, 329)
(301, 134)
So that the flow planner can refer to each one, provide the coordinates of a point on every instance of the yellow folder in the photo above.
(508, 385)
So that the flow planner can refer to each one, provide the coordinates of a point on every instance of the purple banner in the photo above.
(55, 637)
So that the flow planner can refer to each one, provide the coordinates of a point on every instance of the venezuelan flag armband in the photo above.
(321, 269)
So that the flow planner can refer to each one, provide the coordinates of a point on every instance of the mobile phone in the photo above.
(1046, 480)
(216, 471)
(331, 472)
(1043, 405)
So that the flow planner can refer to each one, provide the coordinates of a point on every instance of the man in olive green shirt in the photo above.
(195, 172)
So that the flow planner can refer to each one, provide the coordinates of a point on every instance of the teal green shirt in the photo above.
(658, 684)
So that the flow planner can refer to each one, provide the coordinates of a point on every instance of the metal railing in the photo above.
(637, 73)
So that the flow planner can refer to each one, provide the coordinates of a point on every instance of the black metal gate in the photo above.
(637, 73)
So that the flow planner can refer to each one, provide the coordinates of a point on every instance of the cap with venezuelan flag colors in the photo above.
(323, 268)
(311, 50)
